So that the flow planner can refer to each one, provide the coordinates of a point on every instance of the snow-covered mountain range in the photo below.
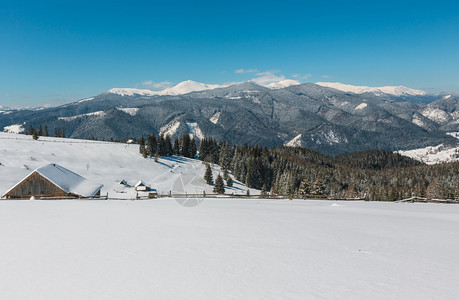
(189, 86)
(285, 112)
(390, 90)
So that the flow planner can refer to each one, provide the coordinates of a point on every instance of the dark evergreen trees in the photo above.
(142, 146)
(229, 182)
(219, 187)
(208, 177)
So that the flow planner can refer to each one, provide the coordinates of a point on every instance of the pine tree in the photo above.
(229, 182)
(46, 130)
(142, 147)
(40, 130)
(63, 133)
(162, 148)
(219, 187)
(185, 145)
(35, 135)
(151, 145)
(193, 148)
(176, 147)
(168, 146)
(208, 175)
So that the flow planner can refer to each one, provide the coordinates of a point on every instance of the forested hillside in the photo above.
(374, 175)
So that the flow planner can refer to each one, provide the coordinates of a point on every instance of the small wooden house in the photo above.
(141, 186)
(53, 181)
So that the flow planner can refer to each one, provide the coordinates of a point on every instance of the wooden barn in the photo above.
(53, 181)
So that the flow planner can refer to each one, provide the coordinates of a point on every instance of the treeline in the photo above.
(58, 132)
(163, 146)
(373, 175)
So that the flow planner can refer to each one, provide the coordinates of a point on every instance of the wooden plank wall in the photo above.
(35, 185)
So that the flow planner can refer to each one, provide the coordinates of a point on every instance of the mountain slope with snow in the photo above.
(184, 87)
(391, 90)
(105, 163)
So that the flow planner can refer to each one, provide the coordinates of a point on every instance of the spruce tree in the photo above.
(208, 175)
(229, 182)
(46, 130)
(219, 187)
(35, 135)
(176, 147)
(142, 146)
(168, 146)
(185, 145)
(193, 148)
(40, 130)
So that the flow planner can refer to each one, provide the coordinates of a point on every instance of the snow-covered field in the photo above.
(105, 163)
(228, 249)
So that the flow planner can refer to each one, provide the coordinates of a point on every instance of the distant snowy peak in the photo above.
(184, 87)
(189, 86)
(282, 84)
(131, 92)
(391, 90)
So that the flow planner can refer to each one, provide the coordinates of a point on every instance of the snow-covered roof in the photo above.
(66, 180)
(140, 183)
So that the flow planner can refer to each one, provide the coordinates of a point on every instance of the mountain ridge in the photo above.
(320, 118)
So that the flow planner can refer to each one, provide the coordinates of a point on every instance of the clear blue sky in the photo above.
(59, 51)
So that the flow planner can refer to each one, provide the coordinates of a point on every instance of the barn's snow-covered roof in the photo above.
(67, 180)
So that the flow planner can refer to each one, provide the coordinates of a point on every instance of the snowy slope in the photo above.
(391, 90)
(189, 86)
(282, 84)
(228, 249)
(184, 87)
(102, 162)
(295, 142)
(433, 154)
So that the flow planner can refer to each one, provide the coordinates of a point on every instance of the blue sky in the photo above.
(58, 51)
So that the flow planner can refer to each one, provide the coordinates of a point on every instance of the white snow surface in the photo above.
(87, 99)
(360, 106)
(105, 163)
(184, 87)
(282, 84)
(129, 110)
(131, 92)
(433, 154)
(417, 120)
(295, 142)
(194, 130)
(214, 119)
(436, 115)
(171, 127)
(453, 134)
(93, 114)
(16, 128)
(228, 249)
(392, 90)
(189, 86)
